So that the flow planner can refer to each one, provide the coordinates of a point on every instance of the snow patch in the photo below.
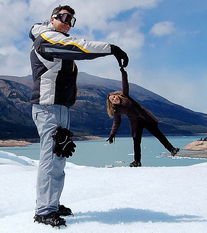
(10, 158)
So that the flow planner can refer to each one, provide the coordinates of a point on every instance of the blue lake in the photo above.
(99, 153)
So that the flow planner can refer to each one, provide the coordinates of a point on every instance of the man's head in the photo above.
(62, 18)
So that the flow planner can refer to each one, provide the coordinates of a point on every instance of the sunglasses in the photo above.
(65, 18)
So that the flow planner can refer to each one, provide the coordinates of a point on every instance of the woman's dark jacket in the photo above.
(136, 113)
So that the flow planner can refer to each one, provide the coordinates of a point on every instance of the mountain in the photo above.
(88, 115)
(15, 109)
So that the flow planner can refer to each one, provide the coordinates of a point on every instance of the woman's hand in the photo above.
(110, 139)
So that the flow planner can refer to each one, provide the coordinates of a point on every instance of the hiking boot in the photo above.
(52, 219)
(174, 151)
(64, 211)
(135, 164)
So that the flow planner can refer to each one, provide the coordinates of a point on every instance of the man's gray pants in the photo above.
(51, 175)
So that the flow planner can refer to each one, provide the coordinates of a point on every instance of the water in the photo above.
(99, 153)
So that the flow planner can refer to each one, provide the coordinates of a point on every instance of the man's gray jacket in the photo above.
(53, 68)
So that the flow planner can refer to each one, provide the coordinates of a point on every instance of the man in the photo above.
(54, 74)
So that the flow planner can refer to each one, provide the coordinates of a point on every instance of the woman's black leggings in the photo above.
(155, 131)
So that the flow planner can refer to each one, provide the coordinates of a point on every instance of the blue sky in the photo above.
(186, 46)
(165, 41)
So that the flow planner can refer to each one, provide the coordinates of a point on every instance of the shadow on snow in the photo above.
(129, 215)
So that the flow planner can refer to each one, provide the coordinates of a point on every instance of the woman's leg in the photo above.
(155, 131)
(137, 145)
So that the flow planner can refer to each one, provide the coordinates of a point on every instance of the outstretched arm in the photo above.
(57, 45)
(125, 84)
(115, 127)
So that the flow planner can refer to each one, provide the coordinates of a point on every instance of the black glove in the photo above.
(64, 145)
(111, 139)
(120, 55)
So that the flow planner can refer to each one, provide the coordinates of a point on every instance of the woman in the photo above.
(120, 103)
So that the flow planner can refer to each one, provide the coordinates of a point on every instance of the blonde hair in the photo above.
(110, 106)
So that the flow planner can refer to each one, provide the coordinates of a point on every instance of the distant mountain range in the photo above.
(88, 115)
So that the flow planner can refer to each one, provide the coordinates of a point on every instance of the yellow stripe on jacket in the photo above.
(64, 43)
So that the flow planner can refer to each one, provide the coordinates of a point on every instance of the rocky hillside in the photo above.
(88, 115)
(15, 109)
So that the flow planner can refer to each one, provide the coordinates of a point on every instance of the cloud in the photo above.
(13, 60)
(13, 20)
(181, 87)
(127, 33)
(99, 15)
(163, 28)
(116, 21)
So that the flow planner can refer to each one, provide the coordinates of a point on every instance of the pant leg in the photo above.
(137, 144)
(50, 177)
(155, 131)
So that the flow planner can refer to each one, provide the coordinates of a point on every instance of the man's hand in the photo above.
(120, 55)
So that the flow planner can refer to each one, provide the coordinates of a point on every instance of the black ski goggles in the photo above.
(65, 18)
